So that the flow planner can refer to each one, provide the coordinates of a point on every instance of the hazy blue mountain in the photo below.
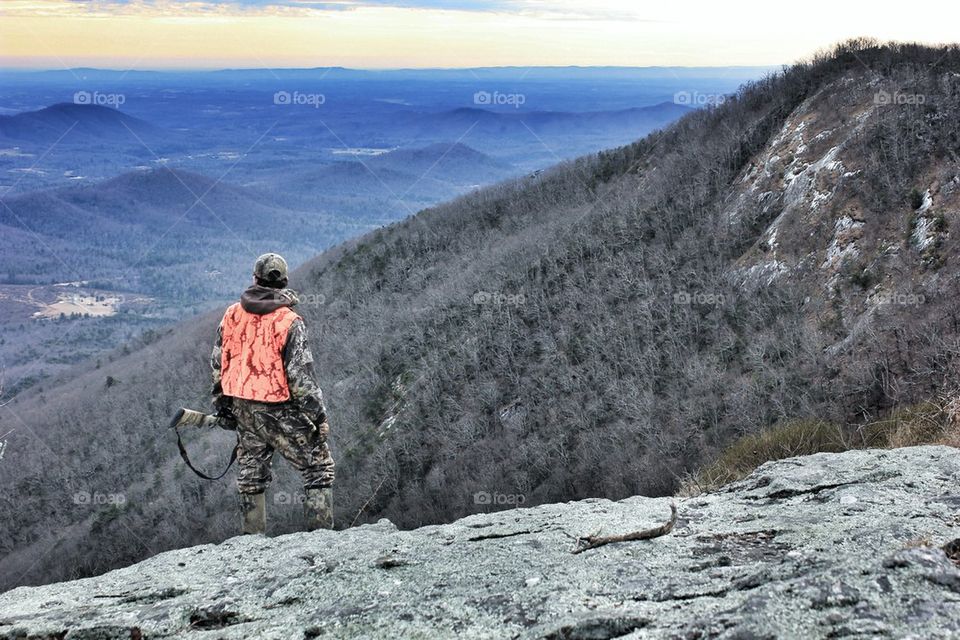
(257, 123)
(523, 73)
(156, 245)
(434, 171)
(498, 124)
(72, 123)
(133, 228)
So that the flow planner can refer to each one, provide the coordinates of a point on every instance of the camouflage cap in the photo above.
(270, 267)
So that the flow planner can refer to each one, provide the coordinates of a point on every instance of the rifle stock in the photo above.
(190, 418)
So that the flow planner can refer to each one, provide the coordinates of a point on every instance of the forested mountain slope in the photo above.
(595, 330)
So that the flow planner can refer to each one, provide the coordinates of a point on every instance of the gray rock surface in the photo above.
(832, 545)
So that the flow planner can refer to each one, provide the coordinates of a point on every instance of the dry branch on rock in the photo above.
(593, 541)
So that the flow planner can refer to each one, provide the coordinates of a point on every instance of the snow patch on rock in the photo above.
(763, 273)
(924, 232)
(798, 186)
(843, 244)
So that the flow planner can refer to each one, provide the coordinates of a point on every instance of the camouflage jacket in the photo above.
(305, 394)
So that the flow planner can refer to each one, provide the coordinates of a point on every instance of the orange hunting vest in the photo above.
(251, 365)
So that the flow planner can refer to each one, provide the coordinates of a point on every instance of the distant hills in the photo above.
(517, 136)
(183, 240)
(267, 146)
(72, 123)
(548, 122)
(86, 74)
(172, 221)
(453, 162)
(172, 241)
(430, 385)
(415, 176)
(157, 231)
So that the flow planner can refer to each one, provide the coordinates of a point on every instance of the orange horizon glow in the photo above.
(204, 34)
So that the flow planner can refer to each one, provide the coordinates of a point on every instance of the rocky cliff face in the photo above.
(831, 545)
(861, 257)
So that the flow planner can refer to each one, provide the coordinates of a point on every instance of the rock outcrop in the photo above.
(831, 545)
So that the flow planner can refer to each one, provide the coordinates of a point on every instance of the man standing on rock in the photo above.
(263, 375)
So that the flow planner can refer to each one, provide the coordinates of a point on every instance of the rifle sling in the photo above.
(183, 454)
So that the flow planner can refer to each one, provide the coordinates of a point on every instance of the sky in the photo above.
(200, 34)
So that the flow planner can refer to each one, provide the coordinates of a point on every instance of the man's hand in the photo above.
(225, 412)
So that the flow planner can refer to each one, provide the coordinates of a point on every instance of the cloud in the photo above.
(550, 9)
(227, 5)
(455, 5)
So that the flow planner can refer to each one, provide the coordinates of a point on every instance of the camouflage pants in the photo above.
(265, 428)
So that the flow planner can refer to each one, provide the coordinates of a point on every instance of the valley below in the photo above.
(169, 193)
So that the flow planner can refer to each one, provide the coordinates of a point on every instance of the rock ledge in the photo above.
(832, 545)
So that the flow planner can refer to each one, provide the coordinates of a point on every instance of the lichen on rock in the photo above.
(819, 546)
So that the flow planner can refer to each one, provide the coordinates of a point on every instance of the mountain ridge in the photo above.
(480, 119)
(143, 207)
(74, 123)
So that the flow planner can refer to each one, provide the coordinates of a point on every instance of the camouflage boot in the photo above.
(253, 513)
(318, 508)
